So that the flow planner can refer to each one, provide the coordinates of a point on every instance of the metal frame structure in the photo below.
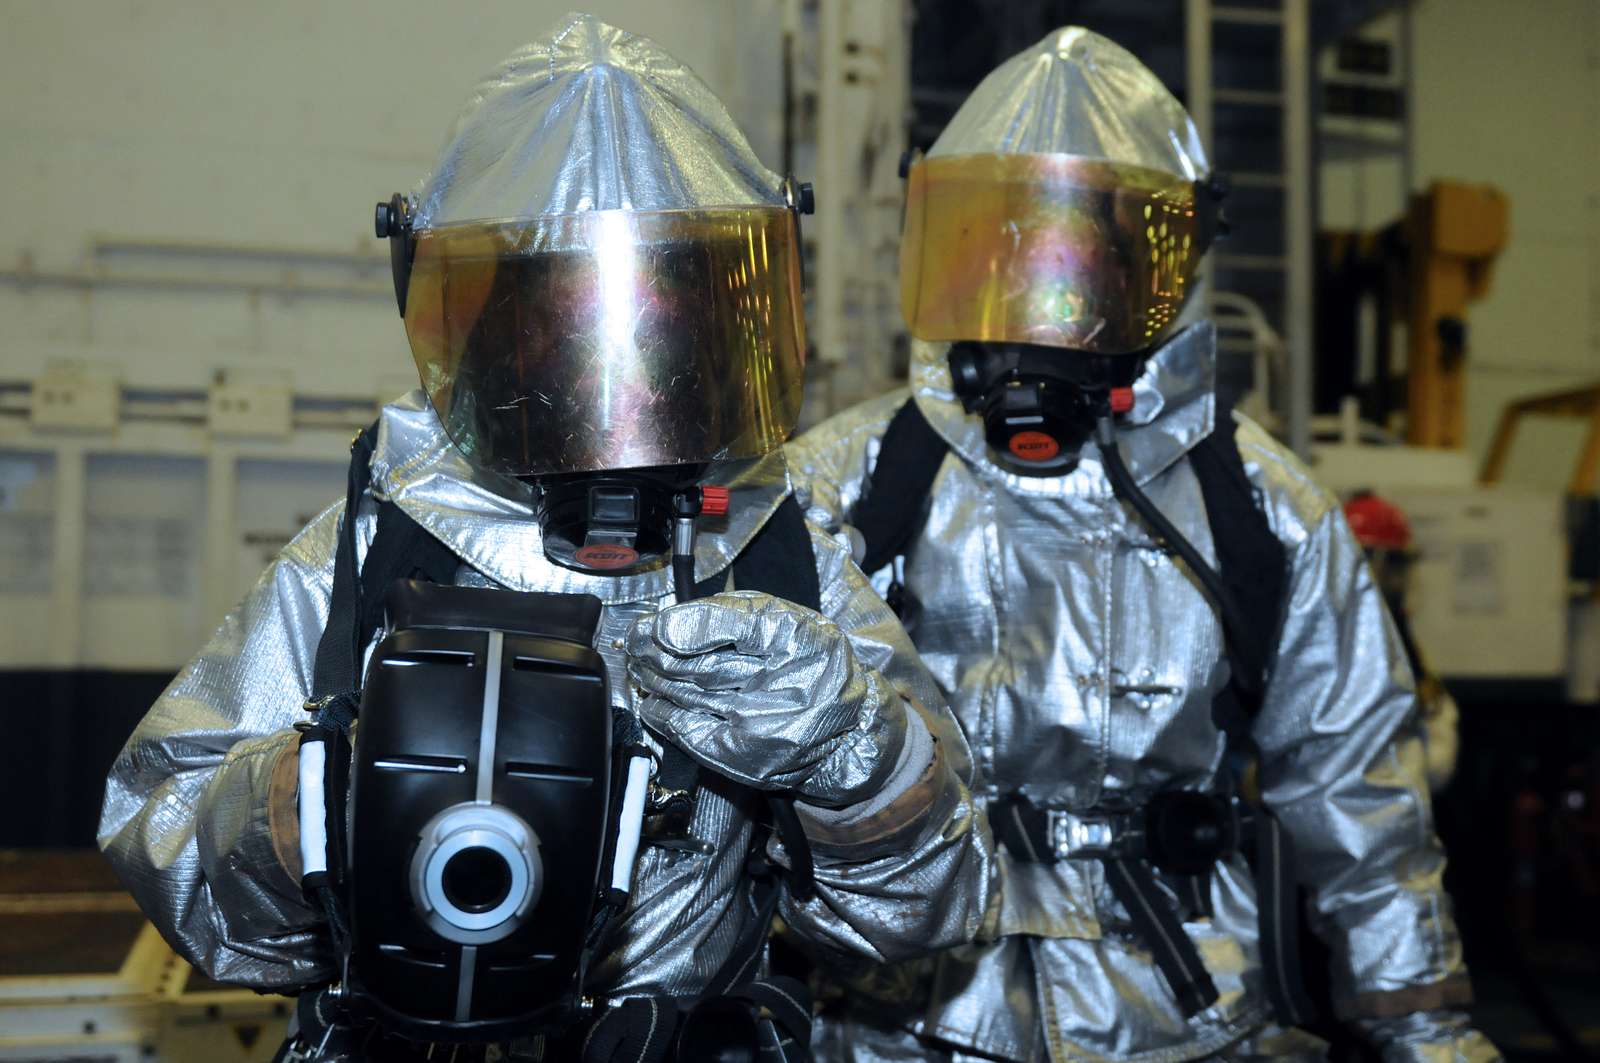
(853, 75)
(193, 428)
(140, 1013)
(1582, 404)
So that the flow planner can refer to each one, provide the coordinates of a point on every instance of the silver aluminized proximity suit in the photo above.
(567, 165)
(1082, 660)
(186, 818)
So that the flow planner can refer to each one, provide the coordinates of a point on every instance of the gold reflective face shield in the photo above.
(1046, 249)
(611, 339)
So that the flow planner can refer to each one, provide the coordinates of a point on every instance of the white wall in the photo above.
(235, 126)
(1509, 94)
(274, 124)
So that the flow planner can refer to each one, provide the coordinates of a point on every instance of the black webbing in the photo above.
(779, 561)
(1278, 916)
(1022, 828)
(1251, 559)
(400, 549)
(744, 959)
(891, 512)
(677, 770)
(1156, 924)
(789, 1004)
(1025, 832)
(338, 655)
(1254, 569)
(637, 1030)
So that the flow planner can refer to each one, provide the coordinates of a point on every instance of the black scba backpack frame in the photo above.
(488, 782)
(1179, 833)
(495, 809)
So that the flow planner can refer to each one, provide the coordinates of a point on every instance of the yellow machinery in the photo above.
(84, 979)
(1492, 582)
(1583, 523)
(1581, 403)
(1453, 231)
(1422, 270)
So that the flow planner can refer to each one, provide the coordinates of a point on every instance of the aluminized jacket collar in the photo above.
(1174, 408)
(488, 520)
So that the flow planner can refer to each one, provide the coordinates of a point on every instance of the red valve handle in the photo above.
(714, 501)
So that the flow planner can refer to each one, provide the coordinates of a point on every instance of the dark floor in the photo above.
(1521, 824)
(1503, 1013)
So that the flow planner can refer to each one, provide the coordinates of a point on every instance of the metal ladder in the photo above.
(1258, 128)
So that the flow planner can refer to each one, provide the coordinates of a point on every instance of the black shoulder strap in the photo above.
(890, 513)
(400, 549)
(1251, 558)
(780, 560)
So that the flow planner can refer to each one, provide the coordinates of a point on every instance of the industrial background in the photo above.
(195, 317)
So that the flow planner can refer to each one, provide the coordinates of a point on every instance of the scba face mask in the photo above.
(610, 339)
(1038, 405)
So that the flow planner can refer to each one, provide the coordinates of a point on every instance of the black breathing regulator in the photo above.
(1040, 404)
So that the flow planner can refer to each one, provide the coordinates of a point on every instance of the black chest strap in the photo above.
(778, 561)
(400, 549)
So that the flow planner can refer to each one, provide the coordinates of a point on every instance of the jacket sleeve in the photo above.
(186, 819)
(1343, 767)
(906, 871)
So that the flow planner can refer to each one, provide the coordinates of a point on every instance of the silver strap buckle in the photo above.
(1073, 836)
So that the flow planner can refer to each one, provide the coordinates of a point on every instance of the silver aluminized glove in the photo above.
(768, 693)
(1429, 1037)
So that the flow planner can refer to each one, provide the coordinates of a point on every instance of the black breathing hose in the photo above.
(1235, 629)
(683, 577)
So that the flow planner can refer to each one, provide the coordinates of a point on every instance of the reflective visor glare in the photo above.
(1046, 249)
(611, 339)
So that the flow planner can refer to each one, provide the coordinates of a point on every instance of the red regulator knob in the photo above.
(714, 501)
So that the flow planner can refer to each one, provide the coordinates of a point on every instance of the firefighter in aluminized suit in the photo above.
(591, 193)
(1051, 235)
